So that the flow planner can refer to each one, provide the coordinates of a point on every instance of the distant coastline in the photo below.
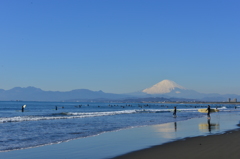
(110, 101)
(205, 102)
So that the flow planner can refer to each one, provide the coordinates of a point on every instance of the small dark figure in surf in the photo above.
(175, 111)
(208, 111)
(56, 108)
(23, 107)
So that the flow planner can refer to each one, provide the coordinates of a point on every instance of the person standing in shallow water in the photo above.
(174, 111)
(23, 107)
(208, 111)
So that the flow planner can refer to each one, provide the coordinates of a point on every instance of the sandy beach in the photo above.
(214, 146)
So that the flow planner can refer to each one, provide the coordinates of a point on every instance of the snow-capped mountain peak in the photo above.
(165, 86)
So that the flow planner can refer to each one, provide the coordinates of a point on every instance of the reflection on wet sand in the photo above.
(171, 130)
(167, 130)
(175, 126)
(208, 126)
(176, 129)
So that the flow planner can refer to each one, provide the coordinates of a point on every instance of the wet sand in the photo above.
(219, 146)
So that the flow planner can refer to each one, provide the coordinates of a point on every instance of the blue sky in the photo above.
(120, 46)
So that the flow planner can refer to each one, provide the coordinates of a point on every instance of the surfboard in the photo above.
(24, 106)
(205, 110)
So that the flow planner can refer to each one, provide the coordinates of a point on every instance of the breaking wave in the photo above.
(71, 115)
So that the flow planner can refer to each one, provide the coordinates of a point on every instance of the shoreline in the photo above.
(219, 146)
(196, 102)
(138, 139)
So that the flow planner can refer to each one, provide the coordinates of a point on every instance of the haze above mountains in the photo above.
(163, 89)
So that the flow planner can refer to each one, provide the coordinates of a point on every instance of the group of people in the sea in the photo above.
(174, 110)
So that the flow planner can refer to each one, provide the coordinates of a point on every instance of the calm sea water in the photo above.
(41, 124)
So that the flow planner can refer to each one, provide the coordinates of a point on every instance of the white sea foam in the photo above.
(223, 107)
(71, 115)
(103, 113)
(64, 115)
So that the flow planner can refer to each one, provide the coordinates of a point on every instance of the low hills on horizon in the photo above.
(165, 90)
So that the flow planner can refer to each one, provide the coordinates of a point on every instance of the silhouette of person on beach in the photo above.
(208, 111)
(175, 111)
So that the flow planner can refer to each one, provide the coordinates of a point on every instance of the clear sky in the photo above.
(120, 46)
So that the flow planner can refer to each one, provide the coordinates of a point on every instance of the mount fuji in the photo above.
(165, 86)
(168, 88)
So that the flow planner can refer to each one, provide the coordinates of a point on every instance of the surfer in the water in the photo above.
(23, 107)
(208, 111)
(175, 111)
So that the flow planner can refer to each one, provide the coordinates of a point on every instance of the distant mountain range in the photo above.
(36, 94)
(165, 90)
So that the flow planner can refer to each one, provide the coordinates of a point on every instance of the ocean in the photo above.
(42, 124)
